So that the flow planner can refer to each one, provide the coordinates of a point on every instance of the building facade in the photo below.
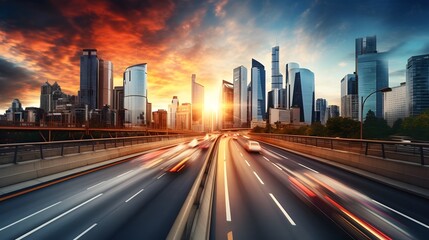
(159, 119)
(89, 78)
(363, 46)
(321, 105)
(197, 105)
(172, 109)
(258, 92)
(227, 105)
(276, 76)
(395, 104)
(240, 96)
(417, 81)
(302, 88)
(135, 98)
(183, 117)
(289, 67)
(105, 83)
(349, 97)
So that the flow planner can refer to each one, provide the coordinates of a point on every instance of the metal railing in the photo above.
(14, 153)
(400, 151)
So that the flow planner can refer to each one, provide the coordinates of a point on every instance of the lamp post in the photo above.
(383, 90)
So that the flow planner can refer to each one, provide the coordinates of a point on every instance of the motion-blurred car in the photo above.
(253, 146)
(193, 143)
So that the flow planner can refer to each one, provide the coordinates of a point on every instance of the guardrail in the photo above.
(399, 151)
(14, 153)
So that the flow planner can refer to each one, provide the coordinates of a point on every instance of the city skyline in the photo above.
(206, 38)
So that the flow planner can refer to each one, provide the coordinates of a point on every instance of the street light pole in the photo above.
(383, 90)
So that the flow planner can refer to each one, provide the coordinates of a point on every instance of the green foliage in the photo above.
(317, 129)
(417, 127)
(343, 127)
(375, 128)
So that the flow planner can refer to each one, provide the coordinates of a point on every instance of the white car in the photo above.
(193, 143)
(253, 146)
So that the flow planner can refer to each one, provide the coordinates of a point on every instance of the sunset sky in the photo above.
(42, 41)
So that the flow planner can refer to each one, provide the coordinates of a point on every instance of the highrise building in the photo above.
(349, 97)
(240, 96)
(395, 104)
(172, 109)
(321, 105)
(418, 84)
(289, 67)
(118, 104)
(160, 119)
(197, 105)
(258, 98)
(135, 94)
(276, 76)
(183, 117)
(47, 92)
(105, 84)
(332, 111)
(227, 105)
(302, 89)
(364, 46)
(89, 78)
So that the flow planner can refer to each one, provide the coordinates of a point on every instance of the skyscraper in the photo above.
(321, 105)
(276, 76)
(240, 96)
(349, 97)
(302, 88)
(183, 117)
(89, 78)
(172, 109)
(105, 83)
(258, 98)
(135, 98)
(118, 104)
(395, 104)
(227, 105)
(197, 105)
(364, 46)
(289, 67)
(418, 84)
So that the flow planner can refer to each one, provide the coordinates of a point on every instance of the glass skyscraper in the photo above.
(364, 46)
(240, 96)
(302, 88)
(227, 106)
(276, 76)
(289, 67)
(135, 94)
(321, 105)
(105, 84)
(197, 105)
(349, 97)
(172, 109)
(258, 98)
(89, 78)
(418, 84)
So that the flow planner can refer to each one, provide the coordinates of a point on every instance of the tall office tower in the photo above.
(183, 117)
(395, 104)
(258, 99)
(197, 105)
(289, 67)
(276, 76)
(118, 105)
(373, 75)
(160, 119)
(321, 105)
(332, 111)
(172, 109)
(274, 98)
(148, 110)
(227, 105)
(135, 98)
(349, 97)
(105, 83)
(302, 88)
(240, 96)
(89, 78)
(364, 46)
(46, 97)
(418, 84)
(249, 103)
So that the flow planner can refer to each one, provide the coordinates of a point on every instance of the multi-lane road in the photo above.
(273, 194)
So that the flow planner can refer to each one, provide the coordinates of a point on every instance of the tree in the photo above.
(417, 127)
(317, 129)
(375, 128)
(342, 127)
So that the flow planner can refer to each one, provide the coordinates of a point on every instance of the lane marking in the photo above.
(57, 217)
(95, 185)
(124, 174)
(247, 163)
(160, 176)
(229, 236)
(307, 168)
(275, 165)
(84, 232)
(29, 216)
(227, 206)
(277, 154)
(283, 210)
(258, 177)
(266, 159)
(129, 199)
(241, 154)
(403, 215)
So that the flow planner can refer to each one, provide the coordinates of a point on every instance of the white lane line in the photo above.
(241, 154)
(57, 217)
(307, 168)
(260, 180)
(278, 154)
(129, 199)
(283, 210)
(405, 216)
(29, 216)
(247, 163)
(276, 166)
(84, 232)
(124, 174)
(95, 185)
(266, 159)
(160, 176)
(227, 206)
(285, 168)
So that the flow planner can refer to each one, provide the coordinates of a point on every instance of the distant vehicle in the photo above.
(193, 143)
(253, 146)
(234, 137)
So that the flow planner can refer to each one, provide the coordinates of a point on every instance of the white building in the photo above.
(395, 104)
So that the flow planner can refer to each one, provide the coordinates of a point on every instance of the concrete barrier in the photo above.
(410, 173)
(16, 173)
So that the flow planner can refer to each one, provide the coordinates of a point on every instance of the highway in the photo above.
(280, 195)
(133, 200)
